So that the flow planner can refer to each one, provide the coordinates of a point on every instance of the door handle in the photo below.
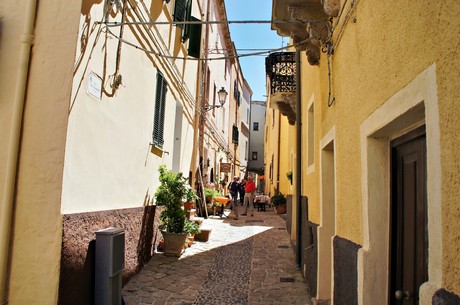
(402, 295)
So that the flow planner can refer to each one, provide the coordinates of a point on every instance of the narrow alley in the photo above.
(245, 261)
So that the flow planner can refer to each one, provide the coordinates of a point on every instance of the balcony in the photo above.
(307, 22)
(281, 68)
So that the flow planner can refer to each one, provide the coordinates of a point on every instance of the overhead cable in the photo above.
(200, 59)
(290, 21)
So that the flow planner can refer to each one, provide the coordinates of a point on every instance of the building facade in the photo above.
(240, 97)
(257, 135)
(96, 96)
(375, 196)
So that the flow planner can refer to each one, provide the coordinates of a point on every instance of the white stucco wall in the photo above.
(109, 163)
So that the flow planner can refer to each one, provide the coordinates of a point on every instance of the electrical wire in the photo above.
(266, 51)
(293, 21)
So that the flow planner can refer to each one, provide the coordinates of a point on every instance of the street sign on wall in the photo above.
(225, 167)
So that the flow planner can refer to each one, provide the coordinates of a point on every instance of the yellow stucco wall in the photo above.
(36, 243)
(386, 47)
(287, 160)
(311, 95)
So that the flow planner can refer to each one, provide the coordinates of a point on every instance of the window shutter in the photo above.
(179, 11)
(194, 44)
(187, 17)
(235, 135)
(158, 121)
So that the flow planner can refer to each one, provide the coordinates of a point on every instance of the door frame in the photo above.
(414, 105)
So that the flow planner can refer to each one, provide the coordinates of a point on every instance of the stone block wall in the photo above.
(78, 248)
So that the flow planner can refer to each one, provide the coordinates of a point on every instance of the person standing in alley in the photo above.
(234, 188)
(242, 190)
(250, 189)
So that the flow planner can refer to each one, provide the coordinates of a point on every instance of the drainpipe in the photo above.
(13, 146)
(298, 175)
(277, 191)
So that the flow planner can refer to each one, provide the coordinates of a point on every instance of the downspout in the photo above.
(13, 146)
(277, 191)
(298, 175)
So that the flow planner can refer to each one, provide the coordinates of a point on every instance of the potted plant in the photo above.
(191, 228)
(170, 195)
(289, 176)
(190, 198)
(279, 201)
(210, 194)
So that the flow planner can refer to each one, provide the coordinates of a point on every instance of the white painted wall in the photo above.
(108, 162)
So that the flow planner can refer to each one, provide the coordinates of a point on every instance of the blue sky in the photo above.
(253, 36)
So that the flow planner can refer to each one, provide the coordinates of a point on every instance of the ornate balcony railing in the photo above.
(281, 70)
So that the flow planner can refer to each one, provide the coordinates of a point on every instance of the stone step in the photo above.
(198, 220)
(190, 213)
(204, 235)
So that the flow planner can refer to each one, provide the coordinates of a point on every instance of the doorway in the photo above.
(326, 229)
(408, 218)
(413, 106)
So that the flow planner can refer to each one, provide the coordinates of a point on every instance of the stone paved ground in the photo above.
(247, 261)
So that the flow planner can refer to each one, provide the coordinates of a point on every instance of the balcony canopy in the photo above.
(307, 22)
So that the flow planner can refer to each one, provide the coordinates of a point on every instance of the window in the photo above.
(159, 116)
(246, 150)
(194, 43)
(254, 155)
(235, 135)
(255, 126)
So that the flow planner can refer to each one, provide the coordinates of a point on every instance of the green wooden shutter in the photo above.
(194, 44)
(179, 11)
(158, 120)
(235, 135)
(187, 17)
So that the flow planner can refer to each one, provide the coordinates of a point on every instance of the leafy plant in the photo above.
(191, 227)
(191, 194)
(170, 193)
(278, 200)
(289, 175)
(208, 192)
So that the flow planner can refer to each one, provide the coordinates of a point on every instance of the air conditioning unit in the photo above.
(110, 261)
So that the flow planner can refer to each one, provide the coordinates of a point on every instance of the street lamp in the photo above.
(222, 95)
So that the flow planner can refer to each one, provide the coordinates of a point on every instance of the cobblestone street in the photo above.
(246, 261)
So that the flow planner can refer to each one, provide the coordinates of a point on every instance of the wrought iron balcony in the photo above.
(281, 68)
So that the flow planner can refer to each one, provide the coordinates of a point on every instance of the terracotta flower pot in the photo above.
(174, 243)
(281, 209)
(190, 239)
(188, 205)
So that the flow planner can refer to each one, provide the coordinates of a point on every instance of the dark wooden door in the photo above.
(408, 223)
